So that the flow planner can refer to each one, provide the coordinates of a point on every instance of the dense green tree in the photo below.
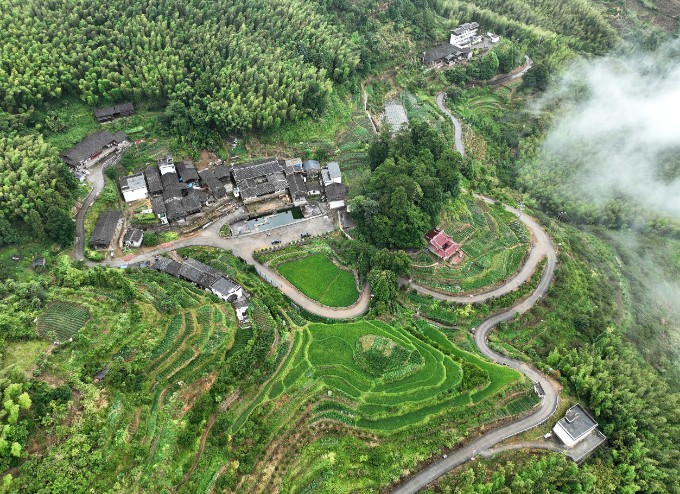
(59, 226)
(384, 286)
(230, 65)
(34, 181)
(403, 197)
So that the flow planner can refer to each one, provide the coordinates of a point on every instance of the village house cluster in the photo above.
(208, 278)
(177, 192)
(289, 178)
(460, 46)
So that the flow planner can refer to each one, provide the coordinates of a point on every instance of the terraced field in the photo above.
(352, 386)
(320, 279)
(380, 377)
(193, 339)
(62, 320)
(494, 243)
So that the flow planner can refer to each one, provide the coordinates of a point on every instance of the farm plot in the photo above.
(62, 321)
(320, 279)
(494, 242)
(193, 339)
(384, 378)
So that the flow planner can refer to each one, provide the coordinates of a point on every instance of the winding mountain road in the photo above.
(96, 178)
(457, 126)
(541, 246)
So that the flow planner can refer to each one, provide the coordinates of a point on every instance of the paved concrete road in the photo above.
(96, 178)
(457, 126)
(244, 246)
(540, 247)
(548, 403)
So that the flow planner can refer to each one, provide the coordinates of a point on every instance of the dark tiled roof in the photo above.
(199, 273)
(120, 136)
(174, 209)
(186, 171)
(336, 192)
(105, 228)
(200, 195)
(191, 204)
(103, 113)
(115, 111)
(206, 174)
(166, 265)
(92, 144)
(216, 188)
(439, 52)
(153, 180)
(124, 108)
(296, 185)
(169, 179)
(133, 235)
(172, 192)
(256, 169)
(577, 422)
(157, 205)
(221, 172)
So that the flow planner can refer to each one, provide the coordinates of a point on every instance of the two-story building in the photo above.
(463, 36)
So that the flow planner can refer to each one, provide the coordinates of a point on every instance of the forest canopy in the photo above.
(404, 195)
(36, 187)
(227, 65)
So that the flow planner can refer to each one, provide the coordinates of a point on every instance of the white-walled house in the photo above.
(574, 426)
(330, 174)
(166, 165)
(133, 238)
(464, 34)
(226, 290)
(133, 187)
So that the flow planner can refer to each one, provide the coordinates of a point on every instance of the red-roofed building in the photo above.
(441, 244)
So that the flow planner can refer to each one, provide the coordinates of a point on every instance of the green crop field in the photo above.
(62, 320)
(381, 377)
(494, 244)
(320, 279)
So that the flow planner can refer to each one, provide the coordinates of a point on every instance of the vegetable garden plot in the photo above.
(62, 321)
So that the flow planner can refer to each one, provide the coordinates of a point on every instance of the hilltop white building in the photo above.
(464, 35)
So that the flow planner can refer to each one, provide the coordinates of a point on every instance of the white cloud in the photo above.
(625, 116)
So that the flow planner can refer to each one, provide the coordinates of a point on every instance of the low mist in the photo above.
(621, 128)
(615, 138)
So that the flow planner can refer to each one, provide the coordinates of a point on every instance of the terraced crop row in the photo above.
(62, 320)
(493, 241)
(324, 355)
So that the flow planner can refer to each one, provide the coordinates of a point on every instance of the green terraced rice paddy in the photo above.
(62, 321)
(329, 358)
(320, 279)
(494, 242)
